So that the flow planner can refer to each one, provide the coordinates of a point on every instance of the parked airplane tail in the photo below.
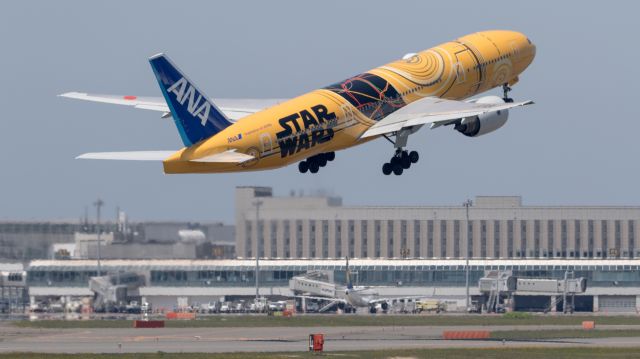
(349, 283)
(196, 117)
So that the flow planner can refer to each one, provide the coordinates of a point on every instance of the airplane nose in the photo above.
(532, 46)
(526, 47)
(530, 50)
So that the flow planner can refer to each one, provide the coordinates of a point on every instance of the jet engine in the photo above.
(481, 125)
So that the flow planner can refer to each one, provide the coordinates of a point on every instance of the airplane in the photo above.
(313, 286)
(432, 87)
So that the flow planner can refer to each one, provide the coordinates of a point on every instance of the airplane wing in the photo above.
(232, 108)
(230, 156)
(436, 112)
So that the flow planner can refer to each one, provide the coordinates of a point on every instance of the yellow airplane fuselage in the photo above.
(334, 118)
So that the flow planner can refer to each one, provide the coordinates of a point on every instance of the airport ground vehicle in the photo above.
(212, 307)
(146, 307)
(474, 307)
(37, 307)
(133, 307)
(258, 306)
(430, 305)
(277, 306)
(225, 307)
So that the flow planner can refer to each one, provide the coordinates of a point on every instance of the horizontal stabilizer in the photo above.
(127, 156)
(145, 103)
(234, 109)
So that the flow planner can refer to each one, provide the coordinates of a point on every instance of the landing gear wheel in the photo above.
(314, 166)
(330, 156)
(303, 166)
(405, 161)
(414, 156)
(372, 310)
(387, 169)
(400, 161)
(322, 160)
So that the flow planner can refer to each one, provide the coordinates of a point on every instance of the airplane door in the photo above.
(467, 72)
(460, 73)
(266, 143)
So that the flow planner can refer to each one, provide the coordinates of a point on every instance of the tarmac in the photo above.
(265, 339)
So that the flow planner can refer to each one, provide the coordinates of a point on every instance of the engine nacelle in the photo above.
(483, 124)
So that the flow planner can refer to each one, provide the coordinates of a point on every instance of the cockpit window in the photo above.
(529, 41)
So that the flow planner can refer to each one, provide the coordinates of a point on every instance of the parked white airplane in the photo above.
(312, 286)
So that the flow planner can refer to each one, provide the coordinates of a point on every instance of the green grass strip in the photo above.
(564, 334)
(224, 321)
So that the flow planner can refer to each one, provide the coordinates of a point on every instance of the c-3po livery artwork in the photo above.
(392, 101)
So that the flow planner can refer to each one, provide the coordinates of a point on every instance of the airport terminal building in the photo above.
(500, 227)
(406, 250)
(613, 284)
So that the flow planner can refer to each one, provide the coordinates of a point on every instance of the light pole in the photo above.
(468, 203)
(99, 203)
(257, 204)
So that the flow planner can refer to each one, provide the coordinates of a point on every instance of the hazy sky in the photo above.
(577, 145)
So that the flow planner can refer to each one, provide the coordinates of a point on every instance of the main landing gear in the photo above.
(505, 91)
(313, 163)
(400, 161)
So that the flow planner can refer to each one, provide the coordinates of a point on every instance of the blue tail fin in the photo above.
(196, 117)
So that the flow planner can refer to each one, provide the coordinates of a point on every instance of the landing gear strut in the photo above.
(402, 159)
(313, 163)
(505, 91)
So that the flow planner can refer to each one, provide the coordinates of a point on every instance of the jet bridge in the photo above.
(497, 285)
(552, 286)
(561, 290)
(494, 285)
(115, 289)
(314, 283)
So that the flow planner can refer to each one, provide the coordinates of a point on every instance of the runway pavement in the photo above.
(113, 340)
